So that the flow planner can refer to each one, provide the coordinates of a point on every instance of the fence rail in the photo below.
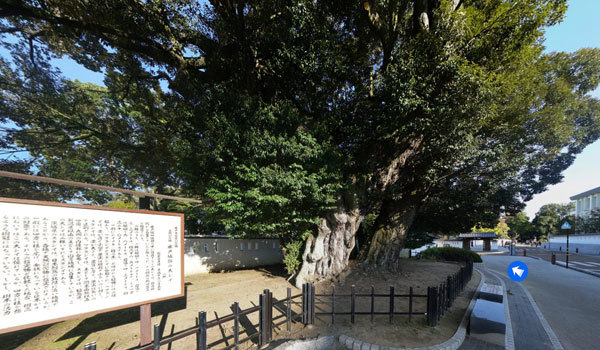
(438, 300)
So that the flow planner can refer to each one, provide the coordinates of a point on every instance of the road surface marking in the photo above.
(594, 263)
(580, 263)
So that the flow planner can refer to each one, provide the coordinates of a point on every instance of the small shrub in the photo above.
(292, 256)
(451, 254)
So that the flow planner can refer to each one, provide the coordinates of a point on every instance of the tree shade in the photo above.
(298, 120)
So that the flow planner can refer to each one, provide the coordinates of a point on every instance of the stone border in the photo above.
(509, 339)
(451, 344)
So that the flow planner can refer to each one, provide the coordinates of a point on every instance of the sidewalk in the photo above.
(566, 299)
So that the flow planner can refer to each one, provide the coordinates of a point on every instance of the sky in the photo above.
(580, 28)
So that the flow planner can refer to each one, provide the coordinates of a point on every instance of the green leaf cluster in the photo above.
(272, 112)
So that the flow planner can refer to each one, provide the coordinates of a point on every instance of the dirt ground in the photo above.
(215, 293)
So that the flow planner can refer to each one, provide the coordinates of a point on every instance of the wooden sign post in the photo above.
(146, 309)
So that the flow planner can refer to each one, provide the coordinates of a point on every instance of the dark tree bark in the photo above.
(390, 230)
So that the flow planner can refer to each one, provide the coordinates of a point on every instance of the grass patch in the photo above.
(451, 254)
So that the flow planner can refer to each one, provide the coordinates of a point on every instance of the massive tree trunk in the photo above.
(327, 254)
(390, 229)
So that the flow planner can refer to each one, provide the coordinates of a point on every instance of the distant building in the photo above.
(586, 202)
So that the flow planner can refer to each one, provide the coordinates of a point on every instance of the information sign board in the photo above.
(62, 261)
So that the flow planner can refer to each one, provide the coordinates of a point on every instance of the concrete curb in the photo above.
(451, 344)
(579, 269)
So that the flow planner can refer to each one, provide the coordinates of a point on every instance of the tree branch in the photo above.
(115, 36)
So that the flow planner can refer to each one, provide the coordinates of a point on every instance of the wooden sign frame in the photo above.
(92, 313)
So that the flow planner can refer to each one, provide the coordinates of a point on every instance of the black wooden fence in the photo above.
(439, 299)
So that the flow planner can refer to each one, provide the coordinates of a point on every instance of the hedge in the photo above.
(451, 254)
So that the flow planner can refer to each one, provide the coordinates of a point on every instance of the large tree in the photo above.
(520, 224)
(550, 217)
(299, 119)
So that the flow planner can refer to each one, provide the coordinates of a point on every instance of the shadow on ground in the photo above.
(97, 323)
(13, 340)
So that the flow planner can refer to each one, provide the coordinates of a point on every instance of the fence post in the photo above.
(428, 307)
(332, 305)
(432, 314)
(312, 304)
(267, 320)
(236, 324)
(270, 315)
(288, 311)
(391, 304)
(261, 318)
(372, 302)
(445, 296)
(456, 282)
(304, 306)
(449, 283)
(410, 302)
(156, 337)
(352, 300)
(201, 336)
(440, 303)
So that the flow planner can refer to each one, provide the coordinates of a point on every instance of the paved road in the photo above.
(567, 299)
(582, 261)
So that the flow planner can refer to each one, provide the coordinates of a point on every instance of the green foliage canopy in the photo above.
(276, 113)
(550, 217)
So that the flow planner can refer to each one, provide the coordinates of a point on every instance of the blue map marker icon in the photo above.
(517, 271)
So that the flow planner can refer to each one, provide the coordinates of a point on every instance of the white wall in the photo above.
(477, 244)
(584, 244)
(206, 254)
(583, 239)
(445, 243)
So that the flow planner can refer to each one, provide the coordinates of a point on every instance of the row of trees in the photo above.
(549, 219)
(306, 120)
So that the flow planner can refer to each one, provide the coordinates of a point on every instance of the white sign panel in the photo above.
(63, 261)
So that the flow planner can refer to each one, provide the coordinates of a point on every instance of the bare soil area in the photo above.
(215, 293)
